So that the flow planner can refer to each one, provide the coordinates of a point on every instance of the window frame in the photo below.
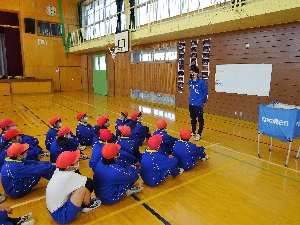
(50, 28)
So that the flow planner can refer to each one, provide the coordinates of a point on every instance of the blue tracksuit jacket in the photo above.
(139, 133)
(96, 154)
(129, 150)
(50, 136)
(55, 150)
(19, 177)
(155, 167)
(187, 154)
(112, 181)
(167, 141)
(85, 134)
(198, 92)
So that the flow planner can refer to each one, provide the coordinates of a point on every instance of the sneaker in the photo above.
(181, 170)
(197, 137)
(205, 158)
(30, 222)
(24, 218)
(133, 190)
(2, 197)
(45, 154)
(95, 203)
(83, 156)
(192, 134)
(81, 147)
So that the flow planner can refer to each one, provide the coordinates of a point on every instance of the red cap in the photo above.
(155, 141)
(80, 115)
(16, 149)
(185, 134)
(6, 123)
(102, 120)
(105, 134)
(135, 115)
(63, 130)
(10, 134)
(54, 119)
(67, 158)
(110, 150)
(125, 113)
(125, 130)
(161, 124)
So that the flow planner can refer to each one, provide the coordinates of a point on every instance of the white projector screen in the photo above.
(250, 79)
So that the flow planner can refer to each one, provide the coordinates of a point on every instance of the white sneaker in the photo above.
(83, 156)
(45, 154)
(205, 158)
(24, 218)
(133, 190)
(181, 170)
(197, 137)
(192, 134)
(81, 147)
(95, 203)
(3, 197)
(30, 222)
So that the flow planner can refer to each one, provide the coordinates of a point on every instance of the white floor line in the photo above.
(257, 158)
(26, 114)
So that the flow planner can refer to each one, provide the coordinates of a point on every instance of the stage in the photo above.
(25, 86)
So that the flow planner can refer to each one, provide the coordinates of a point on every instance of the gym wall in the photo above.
(41, 61)
(277, 45)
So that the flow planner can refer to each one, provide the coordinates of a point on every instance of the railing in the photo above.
(146, 14)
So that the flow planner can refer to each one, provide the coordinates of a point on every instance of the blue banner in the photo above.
(279, 123)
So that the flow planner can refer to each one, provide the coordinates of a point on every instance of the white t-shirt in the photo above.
(61, 186)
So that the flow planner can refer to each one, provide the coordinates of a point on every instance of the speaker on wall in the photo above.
(29, 25)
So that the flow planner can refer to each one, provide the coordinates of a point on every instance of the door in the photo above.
(70, 78)
(99, 74)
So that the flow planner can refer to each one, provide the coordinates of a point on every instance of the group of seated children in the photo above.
(116, 161)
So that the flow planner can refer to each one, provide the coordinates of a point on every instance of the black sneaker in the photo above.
(24, 218)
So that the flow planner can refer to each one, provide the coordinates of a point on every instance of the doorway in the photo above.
(100, 74)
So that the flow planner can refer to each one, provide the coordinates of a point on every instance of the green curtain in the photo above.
(66, 42)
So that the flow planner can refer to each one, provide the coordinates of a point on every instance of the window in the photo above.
(161, 55)
(49, 29)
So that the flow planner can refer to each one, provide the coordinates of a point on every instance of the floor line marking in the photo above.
(164, 192)
(26, 121)
(257, 158)
(29, 201)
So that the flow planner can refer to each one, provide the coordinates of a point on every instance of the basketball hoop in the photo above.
(114, 51)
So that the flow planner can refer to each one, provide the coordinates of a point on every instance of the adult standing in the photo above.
(198, 96)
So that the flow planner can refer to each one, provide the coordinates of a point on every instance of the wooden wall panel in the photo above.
(278, 45)
(150, 77)
(110, 76)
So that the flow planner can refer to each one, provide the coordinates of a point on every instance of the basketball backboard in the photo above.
(122, 40)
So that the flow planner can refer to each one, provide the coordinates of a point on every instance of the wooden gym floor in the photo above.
(233, 187)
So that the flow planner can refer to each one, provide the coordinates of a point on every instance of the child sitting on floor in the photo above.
(139, 132)
(68, 192)
(55, 123)
(103, 124)
(121, 121)
(84, 131)
(156, 166)
(167, 140)
(187, 152)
